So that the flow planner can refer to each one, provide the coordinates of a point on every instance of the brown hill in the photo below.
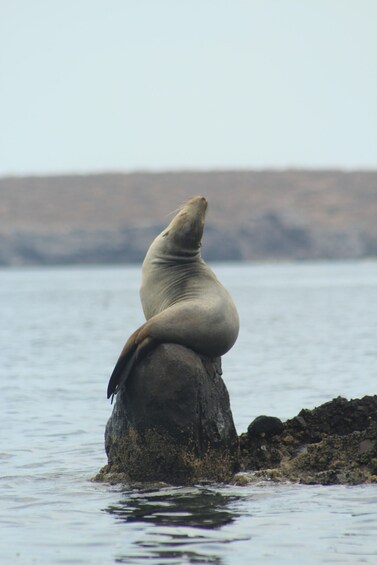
(252, 215)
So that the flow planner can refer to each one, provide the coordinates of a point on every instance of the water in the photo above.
(308, 333)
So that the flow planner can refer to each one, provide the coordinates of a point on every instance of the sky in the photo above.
(124, 85)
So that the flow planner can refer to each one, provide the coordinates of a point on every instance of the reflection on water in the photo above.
(179, 524)
(180, 507)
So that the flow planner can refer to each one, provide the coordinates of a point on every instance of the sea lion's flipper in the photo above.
(137, 346)
(146, 345)
(127, 356)
(120, 373)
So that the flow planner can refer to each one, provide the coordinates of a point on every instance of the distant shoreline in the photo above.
(265, 215)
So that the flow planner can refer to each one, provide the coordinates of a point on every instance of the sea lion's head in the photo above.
(183, 236)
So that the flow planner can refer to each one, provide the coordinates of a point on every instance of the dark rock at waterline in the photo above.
(335, 443)
(265, 426)
(172, 422)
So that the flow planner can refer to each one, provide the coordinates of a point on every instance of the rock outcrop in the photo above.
(172, 422)
(335, 443)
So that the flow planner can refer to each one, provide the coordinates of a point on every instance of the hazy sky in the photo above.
(93, 85)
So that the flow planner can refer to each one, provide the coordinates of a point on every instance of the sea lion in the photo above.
(182, 299)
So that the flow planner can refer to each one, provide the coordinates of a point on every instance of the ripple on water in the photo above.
(308, 333)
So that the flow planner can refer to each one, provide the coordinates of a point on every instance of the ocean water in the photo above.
(308, 334)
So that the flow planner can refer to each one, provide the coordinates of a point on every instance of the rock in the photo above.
(172, 422)
(265, 426)
(335, 443)
(339, 416)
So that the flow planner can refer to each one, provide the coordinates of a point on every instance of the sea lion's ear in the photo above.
(165, 234)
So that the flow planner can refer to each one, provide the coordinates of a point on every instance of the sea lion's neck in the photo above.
(167, 253)
(182, 258)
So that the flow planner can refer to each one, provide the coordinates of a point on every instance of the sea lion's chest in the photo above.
(165, 284)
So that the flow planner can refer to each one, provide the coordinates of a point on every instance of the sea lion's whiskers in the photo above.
(174, 212)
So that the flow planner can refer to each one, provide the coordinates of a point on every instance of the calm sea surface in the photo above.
(308, 334)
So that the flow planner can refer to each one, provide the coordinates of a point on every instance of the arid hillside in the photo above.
(266, 215)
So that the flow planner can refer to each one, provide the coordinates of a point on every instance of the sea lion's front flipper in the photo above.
(136, 347)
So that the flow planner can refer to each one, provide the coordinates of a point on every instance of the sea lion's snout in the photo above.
(196, 200)
(198, 205)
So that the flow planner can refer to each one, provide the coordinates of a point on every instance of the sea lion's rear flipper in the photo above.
(136, 347)
(120, 373)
